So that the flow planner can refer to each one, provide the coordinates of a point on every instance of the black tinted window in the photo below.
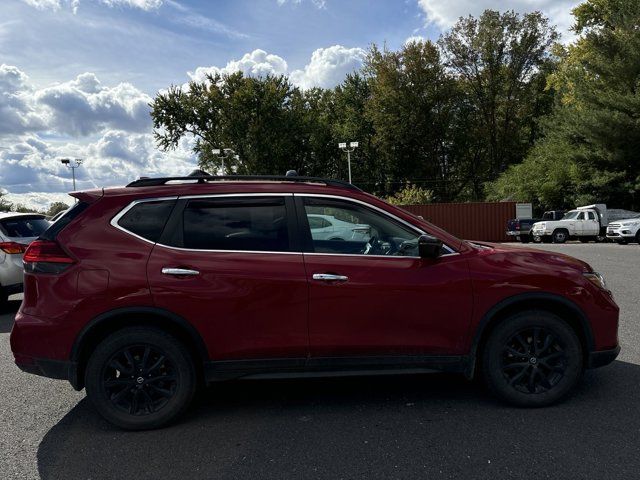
(236, 224)
(23, 227)
(147, 219)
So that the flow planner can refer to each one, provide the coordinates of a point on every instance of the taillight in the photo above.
(12, 247)
(44, 256)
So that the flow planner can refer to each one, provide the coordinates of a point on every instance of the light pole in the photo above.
(225, 153)
(352, 146)
(76, 163)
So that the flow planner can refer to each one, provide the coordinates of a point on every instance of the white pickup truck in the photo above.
(584, 223)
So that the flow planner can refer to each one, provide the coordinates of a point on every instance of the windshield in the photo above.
(23, 227)
(572, 215)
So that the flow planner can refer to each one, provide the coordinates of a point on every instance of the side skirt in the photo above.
(332, 367)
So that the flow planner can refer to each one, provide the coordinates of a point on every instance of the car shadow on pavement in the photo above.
(375, 427)
(7, 312)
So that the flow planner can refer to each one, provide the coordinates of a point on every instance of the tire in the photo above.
(116, 384)
(508, 364)
(560, 235)
(638, 237)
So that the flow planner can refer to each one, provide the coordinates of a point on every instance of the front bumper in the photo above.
(602, 357)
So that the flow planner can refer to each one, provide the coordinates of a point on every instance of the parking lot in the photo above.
(428, 426)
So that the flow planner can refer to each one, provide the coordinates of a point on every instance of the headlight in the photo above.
(596, 279)
(540, 226)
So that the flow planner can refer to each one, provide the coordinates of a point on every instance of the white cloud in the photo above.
(83, 107)
(43, 4)
(445, 13)
(328, 66)
(73, 4)
(321, 4)
(414, 39)
(255, 64)
(17, 112)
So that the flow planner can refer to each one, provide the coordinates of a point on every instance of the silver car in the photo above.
(17, 231)
(328, 227)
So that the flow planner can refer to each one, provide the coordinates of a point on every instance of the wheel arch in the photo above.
(105, 324)
(567, 310)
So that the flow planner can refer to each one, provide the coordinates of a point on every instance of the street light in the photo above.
(76, 163)
(224, 153)
(352, 146)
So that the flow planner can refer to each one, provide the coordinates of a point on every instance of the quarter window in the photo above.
(147, 219)
(357, 230)
(258, 224)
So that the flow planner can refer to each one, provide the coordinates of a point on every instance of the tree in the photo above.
(56, 207)
(253, 116)
(5, 206)
(501, 61)
(590, 149)
(411, 108)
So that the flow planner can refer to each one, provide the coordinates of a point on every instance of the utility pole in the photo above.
(352, 146)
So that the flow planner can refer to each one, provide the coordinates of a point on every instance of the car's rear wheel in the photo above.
(532, 359)
(140, 378)
(638, 237)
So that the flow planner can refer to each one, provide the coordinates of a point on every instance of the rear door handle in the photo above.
(179, 271)
(330, 277)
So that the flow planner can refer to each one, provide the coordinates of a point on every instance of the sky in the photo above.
(76, 76)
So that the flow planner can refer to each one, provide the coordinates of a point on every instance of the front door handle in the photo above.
(330, 277)
(179, 271)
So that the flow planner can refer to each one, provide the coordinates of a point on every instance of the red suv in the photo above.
(141, 293)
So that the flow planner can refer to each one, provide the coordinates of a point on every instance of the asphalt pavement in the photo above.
(405, 427)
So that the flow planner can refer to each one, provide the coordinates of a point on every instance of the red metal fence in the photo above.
(470, 221)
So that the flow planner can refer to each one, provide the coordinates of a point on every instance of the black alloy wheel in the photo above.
(139, 379)
(533, 360)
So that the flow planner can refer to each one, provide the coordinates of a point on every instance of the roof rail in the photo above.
(152, 182)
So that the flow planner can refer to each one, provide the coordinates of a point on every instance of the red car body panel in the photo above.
(266, 306)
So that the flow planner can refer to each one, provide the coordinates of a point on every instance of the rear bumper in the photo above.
(602, 357)
(44, 367)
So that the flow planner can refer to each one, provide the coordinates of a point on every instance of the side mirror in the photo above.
(429, 247)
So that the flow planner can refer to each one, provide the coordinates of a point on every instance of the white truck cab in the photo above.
(584, 223)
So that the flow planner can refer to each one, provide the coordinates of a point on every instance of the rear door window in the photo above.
(246, 224)
(24, 226)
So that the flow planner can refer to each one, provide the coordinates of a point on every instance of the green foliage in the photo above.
(591, 144)
(20, 208)
(56, 207)
(447, 117)
(411, 195)
(5, 206)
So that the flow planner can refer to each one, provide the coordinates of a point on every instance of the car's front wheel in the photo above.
(140, 378)
(532, 359)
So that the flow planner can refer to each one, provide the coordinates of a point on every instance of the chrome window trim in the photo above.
(115, 219)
